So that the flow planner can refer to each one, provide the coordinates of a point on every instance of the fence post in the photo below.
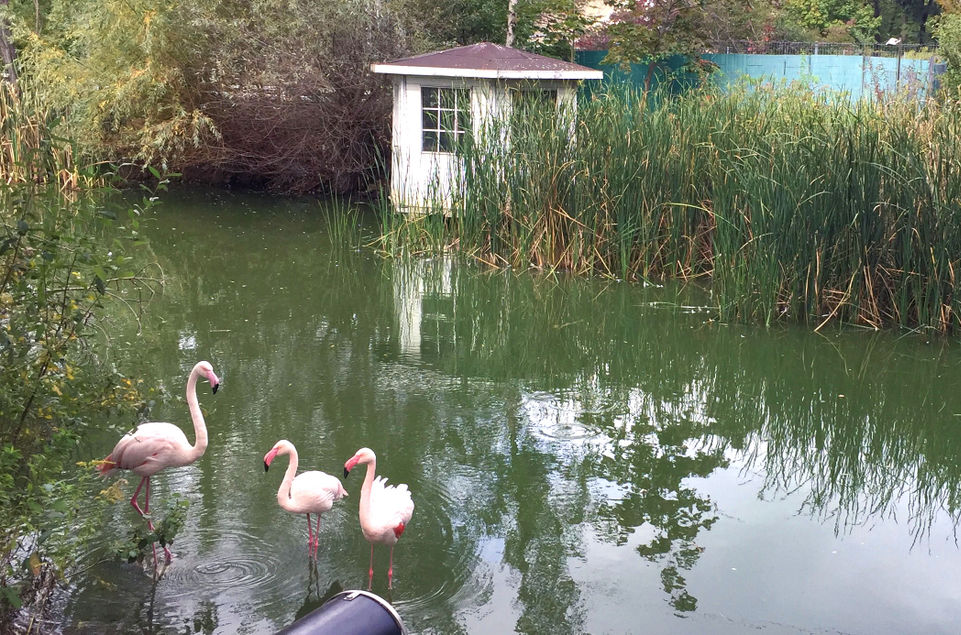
(864, 64)
(897, 74)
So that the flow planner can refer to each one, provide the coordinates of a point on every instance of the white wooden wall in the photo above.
(424, 180)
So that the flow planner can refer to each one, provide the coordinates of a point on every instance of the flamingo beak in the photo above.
(349, 465)
(268, 458)
(214, 382)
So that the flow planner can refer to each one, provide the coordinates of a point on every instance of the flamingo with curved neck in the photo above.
(155, 445)
(309, 493)
(385, 510)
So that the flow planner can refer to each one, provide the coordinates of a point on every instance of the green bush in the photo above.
(62, 258)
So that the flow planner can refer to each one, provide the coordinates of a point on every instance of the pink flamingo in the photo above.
(155, 445)
(309, 493)
(385, 510)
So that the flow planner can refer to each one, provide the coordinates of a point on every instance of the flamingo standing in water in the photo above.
(309, 493)
(385, 510)
(155, 445)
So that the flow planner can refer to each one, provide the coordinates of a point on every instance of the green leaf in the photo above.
(11, 595)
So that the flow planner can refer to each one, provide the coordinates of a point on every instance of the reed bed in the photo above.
(791, 204)
(30, 149)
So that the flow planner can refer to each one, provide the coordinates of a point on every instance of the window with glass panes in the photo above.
(446, 118)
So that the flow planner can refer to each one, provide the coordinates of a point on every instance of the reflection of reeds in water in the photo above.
(861, 463)
(858, 429)
(794, 203)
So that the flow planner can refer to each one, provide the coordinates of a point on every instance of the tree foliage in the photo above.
(947, 29)
(840, 19)
(268, 92)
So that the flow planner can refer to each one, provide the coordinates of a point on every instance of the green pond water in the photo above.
(585, 456)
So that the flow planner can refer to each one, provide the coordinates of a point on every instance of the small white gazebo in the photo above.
(441, 96)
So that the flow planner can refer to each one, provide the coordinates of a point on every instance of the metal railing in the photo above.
(822, 48)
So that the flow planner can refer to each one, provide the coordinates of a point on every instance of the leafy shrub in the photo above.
(61, 258)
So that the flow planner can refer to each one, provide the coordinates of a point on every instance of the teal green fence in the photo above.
(860, 76)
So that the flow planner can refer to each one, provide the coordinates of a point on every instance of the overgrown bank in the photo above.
(792, 204)
(59, 268)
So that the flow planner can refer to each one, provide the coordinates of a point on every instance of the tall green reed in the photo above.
(794, 204)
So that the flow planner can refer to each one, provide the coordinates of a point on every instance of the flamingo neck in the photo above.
(283, 494)
(365, 489)
(200, 427)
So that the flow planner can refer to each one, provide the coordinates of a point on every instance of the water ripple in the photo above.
(449, 532)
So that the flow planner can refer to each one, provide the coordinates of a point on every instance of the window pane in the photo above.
(448, 120)
(446, 142)
(448, 98)
(430, 141)
(445, 117)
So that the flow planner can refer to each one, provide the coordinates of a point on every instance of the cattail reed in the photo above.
(30, 150)
(789, 203)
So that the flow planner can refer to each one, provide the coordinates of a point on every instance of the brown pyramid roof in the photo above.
(487, 60)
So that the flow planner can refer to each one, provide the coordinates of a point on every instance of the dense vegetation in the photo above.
(279, 95)
(57, 270)
(795, 204)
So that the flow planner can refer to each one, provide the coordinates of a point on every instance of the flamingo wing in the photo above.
(315, 492)
(392, 505)
(150, 448)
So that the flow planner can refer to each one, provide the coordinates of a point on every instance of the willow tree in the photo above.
(267, 92)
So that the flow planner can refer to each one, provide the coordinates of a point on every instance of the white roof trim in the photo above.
(393, 69)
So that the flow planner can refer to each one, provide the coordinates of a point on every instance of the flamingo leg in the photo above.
(390, 568)
(310, 537)
(145, 514)
(167, 555)
(136, 494)
(370, 571)
(317, 536)
(146, 510)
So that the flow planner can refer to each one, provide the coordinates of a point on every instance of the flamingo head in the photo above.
(207, 371)
(363, 455)
(281, 447)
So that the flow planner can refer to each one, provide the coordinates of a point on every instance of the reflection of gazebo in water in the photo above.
(413, 282)
(441, 97)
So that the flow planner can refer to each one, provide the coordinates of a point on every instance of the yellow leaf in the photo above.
(114, 493)
(35, 564)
